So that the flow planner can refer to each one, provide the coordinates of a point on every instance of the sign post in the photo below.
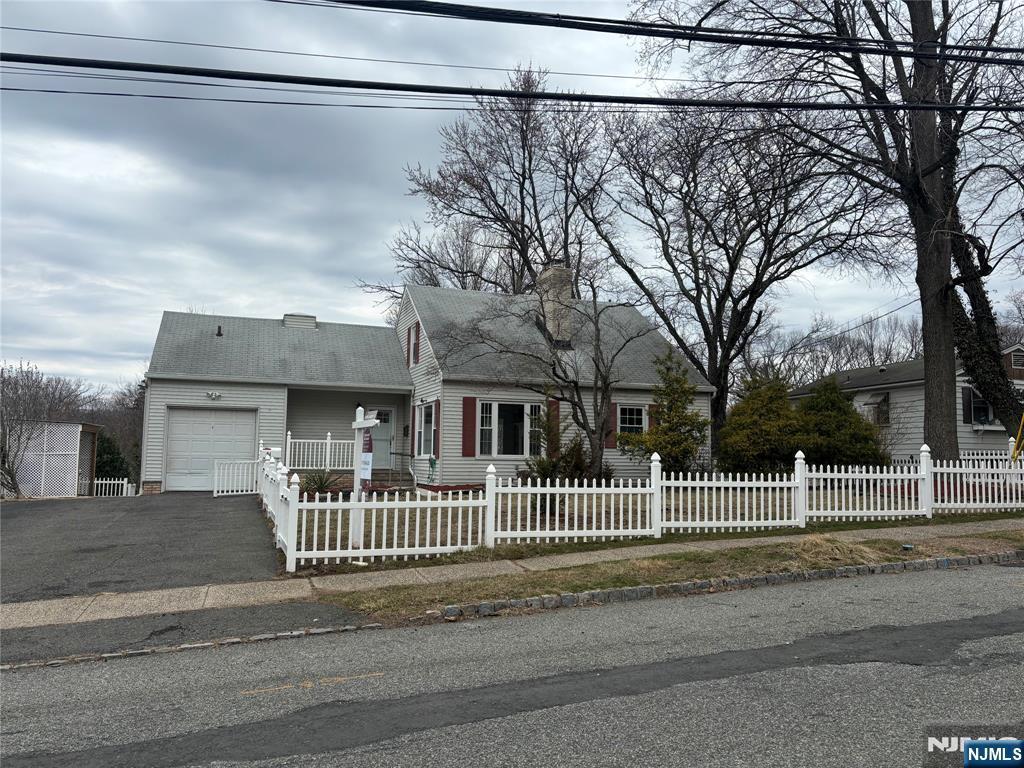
(363, 468)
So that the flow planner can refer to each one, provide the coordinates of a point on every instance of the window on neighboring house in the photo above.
(509, 429)
(1017, 359)
(981, 411)
(877, 410)
(425, 430)
(631, 418)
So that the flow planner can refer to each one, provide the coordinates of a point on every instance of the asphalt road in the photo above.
(59, 547)
(167, 629)
(836, 673)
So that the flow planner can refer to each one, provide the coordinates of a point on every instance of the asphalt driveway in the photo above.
(55, 548)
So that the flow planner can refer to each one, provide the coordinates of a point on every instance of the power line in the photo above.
(404, 62)
(495, 93)
(673, 32)
(822, 340)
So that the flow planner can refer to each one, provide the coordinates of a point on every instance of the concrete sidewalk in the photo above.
(118, 605)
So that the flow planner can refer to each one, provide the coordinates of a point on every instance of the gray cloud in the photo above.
(115, 209)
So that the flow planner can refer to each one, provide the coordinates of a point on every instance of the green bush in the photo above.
(833, 432)
(110, 462)
(764, 431)
(676, 432)
(760, 432)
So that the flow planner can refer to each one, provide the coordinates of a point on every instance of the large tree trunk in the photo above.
(719, 409)
(933, 278)
(925, 194)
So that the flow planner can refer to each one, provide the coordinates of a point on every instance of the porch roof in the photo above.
(225, 348)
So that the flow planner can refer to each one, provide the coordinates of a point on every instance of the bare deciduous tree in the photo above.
(800, 357)
(502, 203)
(957, 175)
(572, 350)
(27, 397)
(731, 209)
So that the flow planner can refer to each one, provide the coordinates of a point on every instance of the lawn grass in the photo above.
(408, 604)
(520, 551)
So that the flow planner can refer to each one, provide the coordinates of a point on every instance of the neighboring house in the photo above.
(892, 397)
(218, 385)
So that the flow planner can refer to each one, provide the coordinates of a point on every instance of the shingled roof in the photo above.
(450, 315)
(892, 374)
(267, 350)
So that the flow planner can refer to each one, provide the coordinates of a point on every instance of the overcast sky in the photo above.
(115, 209)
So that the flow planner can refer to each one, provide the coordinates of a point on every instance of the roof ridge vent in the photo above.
(299, 320)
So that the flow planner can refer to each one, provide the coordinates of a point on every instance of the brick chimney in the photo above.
(554, 285)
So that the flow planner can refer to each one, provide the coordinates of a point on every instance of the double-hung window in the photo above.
(509, 429)
(425, 429)
(632, 418)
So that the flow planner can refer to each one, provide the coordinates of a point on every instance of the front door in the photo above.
(383, 438)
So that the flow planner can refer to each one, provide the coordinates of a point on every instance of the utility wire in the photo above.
(404, 62)
(673, 32)
(499, 93)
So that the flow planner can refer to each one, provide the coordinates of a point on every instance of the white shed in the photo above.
(59, 460)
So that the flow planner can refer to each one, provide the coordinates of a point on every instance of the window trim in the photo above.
(990, 419)
(644, 425)
(527, 429)
(421, 410)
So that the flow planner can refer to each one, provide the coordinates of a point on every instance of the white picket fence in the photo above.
(330, 528)
(325, 454)
(235, 477)
(112, 486)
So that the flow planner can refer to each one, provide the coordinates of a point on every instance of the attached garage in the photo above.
(197, 437)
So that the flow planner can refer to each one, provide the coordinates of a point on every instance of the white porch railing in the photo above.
(325, 454)
(416, 524)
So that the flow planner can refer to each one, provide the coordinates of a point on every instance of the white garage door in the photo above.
(196, 437)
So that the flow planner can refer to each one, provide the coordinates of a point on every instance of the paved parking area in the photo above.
(61, 547)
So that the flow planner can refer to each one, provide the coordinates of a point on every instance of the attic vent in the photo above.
(299, 320)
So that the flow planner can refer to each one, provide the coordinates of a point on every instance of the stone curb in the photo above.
(629, 594)
(227, 641)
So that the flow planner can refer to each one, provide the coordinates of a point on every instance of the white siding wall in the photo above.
(269, 400)
(426, 378)
(458, 469)
(312, 413)
(906, 433)
(972, 437)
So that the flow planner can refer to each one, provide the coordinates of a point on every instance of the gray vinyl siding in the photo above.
(905, 434)
(312, 413)
(459, 469)
(268, 400)
(974, 437)
(427, 387)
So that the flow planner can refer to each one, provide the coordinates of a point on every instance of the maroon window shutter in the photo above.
(408, 346)
(416, 344)
(412, 432)
(437, 428)
(614, 424)
(652, 415)
(967, 401)
(469, 426)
